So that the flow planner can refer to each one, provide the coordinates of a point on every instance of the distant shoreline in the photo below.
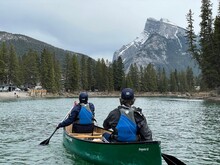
(14, 94)
(195, 95)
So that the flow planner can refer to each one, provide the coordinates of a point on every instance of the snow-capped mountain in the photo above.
(162, 44)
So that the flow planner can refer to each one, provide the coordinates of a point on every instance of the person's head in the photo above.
(83, 97)
(127, 97)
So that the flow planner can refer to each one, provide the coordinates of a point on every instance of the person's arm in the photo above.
(92, 108)
(143, 129)
(71, 118)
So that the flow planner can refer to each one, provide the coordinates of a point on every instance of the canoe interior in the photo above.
(95, 136)
(89, 146)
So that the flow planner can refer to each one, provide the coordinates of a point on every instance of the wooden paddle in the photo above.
(171, 160)
(46, 142)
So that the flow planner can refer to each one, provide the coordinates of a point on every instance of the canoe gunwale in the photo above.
(112, 143)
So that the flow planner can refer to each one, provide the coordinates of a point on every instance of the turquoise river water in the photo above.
(188, 129)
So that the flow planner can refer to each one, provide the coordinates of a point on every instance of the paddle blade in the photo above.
(45, 142)
(171, 160)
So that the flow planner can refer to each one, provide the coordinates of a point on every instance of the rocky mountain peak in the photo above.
(161, 43)
(4, 36)
(163, 27)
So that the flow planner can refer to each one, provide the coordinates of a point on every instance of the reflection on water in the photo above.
(187, 129)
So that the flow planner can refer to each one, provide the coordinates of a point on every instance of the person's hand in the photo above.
(75, 103)
(58, 126)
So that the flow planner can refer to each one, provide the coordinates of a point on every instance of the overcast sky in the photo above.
(94, 27)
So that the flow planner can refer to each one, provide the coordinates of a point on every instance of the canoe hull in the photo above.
(141, 153)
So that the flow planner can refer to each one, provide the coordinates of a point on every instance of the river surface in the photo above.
(188, 129)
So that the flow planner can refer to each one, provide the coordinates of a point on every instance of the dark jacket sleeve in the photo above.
(143, 129)
(92, 108)
(72, 117)
(112, 119)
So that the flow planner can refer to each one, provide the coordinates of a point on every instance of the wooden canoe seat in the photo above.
(97, 134)
(86, 135)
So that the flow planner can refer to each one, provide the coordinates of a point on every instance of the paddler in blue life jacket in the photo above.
(81, 116)
(127, 122)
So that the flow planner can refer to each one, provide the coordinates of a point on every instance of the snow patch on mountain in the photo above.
(162, 43)
(9, 36)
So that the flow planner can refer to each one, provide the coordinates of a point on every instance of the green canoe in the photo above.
(91, 148)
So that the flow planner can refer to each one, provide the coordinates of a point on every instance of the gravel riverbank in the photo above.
(14, 94)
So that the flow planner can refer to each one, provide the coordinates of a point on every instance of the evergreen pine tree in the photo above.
(133, 76)
(190, 79)
(4, 63)
(91, 73)
(83, 73)
(191, 37)
(104, 80)
(74, 74)
(67, 73)
(57, 75)
(13, 67)
(173, 83)
(164, 81)
(152, 78)
(110, 79)
(30, 69)
(216, 36)
(118, 74)
(47, 71)
(183, 87)
(207, 45)
(98, 75)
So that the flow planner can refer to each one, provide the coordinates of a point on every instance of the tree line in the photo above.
(207, 52)
(84, 73)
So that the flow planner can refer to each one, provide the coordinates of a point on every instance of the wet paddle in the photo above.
(46, 142)
(171, 160)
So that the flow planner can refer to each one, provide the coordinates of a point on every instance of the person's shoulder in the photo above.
(76, 107)
(91, 104)
(138, 111)
(116, 110)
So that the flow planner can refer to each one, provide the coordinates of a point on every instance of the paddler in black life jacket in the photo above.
(127, 122)
(81, 116)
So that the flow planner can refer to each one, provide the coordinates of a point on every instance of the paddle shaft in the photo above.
(46, 142)
(67, 114)
(52, 134)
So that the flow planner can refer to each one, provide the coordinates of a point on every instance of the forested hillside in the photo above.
(85, 74)
(22, 44)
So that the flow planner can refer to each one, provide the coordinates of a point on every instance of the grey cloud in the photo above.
(94, 27)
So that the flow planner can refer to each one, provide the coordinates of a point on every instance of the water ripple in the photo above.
(187, 129)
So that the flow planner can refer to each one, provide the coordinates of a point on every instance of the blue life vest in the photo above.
(126, 127)
(85, 115)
